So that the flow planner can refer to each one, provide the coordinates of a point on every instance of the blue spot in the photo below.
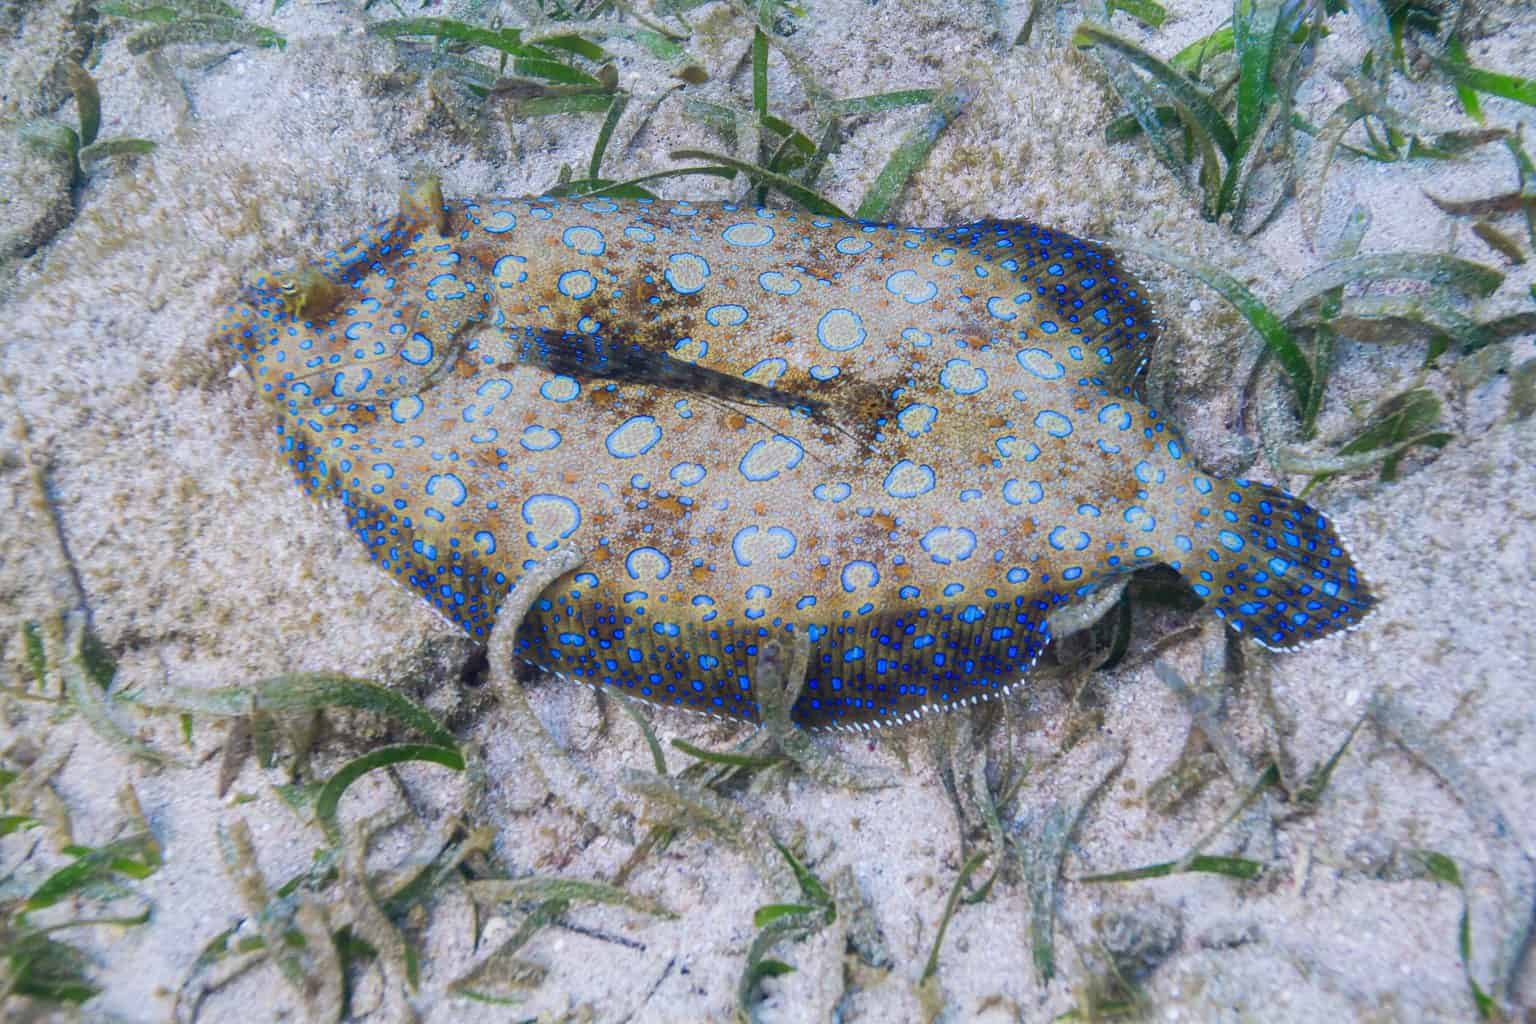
(1230, 540)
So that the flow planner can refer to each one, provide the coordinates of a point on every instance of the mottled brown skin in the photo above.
(914, 455)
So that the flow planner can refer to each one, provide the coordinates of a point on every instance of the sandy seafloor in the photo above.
(204, 565)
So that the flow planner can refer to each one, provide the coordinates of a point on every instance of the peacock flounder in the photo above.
(909, 445)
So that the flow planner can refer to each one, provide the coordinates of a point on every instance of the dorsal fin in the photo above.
(1081, 281)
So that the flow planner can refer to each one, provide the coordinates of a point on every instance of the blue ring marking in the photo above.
(495, 390)
(453, 490)
(1053, 423)
(633, 438)
(771, 369)
(508, 270)
(917, 419)
(576, 284)
(499, 222)
(916, 337)
(1041, 363)
(560, 389)
(688, 474)
(727, 315)
(852, 245)
(587, 241)
(963, 377)
(631, 566)
(912, 287)
(851, 572)
(355, 330)
(600, 206)
(639, 234)
(759, 462)
(1017, 574)
(537, 438)
(997, 306)
(959, 542)
(748, 234)
(783, 543)
(1140, 518)
(841, 330)
(825, 373)
(445, 281)
(553, 512)
(1229, 540)
(1149, 474)
(831, 492)
(486, 540)
(419, 350)
(776, 283)
(1112, 415)
(686, 272)
(908, 479)
(404, 410)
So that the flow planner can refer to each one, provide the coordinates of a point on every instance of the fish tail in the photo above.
(1273, 567)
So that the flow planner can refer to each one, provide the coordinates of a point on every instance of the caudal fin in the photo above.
(1274, 567)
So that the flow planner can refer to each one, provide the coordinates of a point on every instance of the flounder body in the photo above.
(909, 445)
